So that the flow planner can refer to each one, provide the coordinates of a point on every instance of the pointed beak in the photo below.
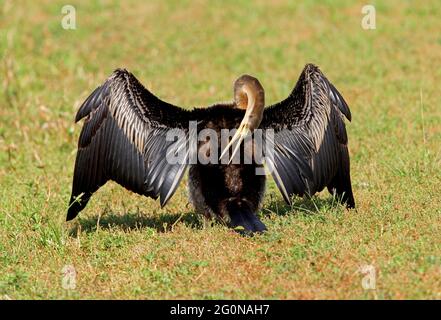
(239, 136)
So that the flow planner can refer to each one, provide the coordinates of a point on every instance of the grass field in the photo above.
(189, 53)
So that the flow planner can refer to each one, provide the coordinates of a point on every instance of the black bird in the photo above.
(125, 138)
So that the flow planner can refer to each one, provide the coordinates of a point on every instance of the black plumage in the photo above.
(124, 139)
(311, 137)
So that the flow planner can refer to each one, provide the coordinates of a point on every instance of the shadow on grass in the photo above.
(303, 206)
(134, 221)
(165, 222)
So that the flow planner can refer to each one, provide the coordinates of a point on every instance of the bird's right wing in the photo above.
(124, 138)
(310, 140)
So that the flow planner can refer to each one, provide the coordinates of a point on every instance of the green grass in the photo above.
(189, 53)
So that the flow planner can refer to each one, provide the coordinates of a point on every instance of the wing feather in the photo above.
(310, 136)
(124, 139)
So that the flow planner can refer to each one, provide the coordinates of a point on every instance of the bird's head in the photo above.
(249, 96)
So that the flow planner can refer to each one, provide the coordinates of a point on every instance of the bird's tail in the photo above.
(243, 219)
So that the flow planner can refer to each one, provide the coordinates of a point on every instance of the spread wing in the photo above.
(310, 140)
(124, 139)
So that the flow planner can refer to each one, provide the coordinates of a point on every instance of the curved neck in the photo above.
(250, 96)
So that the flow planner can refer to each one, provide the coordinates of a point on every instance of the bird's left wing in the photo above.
(309, 146)
(124, 139)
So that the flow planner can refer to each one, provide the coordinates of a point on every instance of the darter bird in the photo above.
(126, 138)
